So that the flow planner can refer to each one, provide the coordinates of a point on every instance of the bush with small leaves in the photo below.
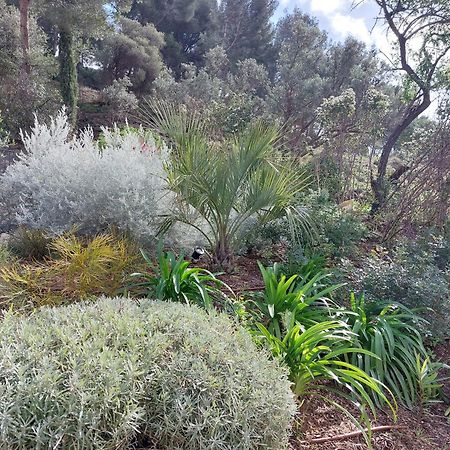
(60, 181)
(119, 100)
(120, 374)
(409, 278)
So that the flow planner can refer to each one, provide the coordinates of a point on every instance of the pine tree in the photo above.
(246, 30)
(187, 25)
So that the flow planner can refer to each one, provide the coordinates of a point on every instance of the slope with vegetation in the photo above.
(316, 304)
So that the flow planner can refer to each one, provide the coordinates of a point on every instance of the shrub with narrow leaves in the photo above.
(120, 375)
(391, 331)
(75, 269)
(61, 181)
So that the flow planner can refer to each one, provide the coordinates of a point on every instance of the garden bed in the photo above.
(427, 431)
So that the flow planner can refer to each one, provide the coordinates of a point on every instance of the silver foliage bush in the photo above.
(61, 181)
(119, 375)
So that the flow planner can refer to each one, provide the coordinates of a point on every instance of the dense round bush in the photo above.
(119, 375)
(60, 181)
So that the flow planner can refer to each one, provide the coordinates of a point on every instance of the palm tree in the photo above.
(228, 182)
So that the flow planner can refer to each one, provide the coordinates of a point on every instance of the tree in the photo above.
(72, 20)
(184, 24)
(22, 92)
(24, 6)
(246, 30)
(228, 183)
(300, 77)
(133, 51)
(420, 196)
(229, 100)
(414, 24)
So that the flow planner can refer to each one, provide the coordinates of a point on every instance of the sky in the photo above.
(340, 18)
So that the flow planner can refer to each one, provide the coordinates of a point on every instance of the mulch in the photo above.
(246, 277)
(428, 430)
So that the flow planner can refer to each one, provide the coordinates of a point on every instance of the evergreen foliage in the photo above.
(119, 374)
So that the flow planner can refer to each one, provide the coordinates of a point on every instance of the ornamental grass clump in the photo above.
(119, 374)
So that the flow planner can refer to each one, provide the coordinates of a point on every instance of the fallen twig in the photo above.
(249, 289)
(341, 437)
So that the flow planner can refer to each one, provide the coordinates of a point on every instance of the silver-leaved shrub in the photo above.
(62, 181)
(118, 374)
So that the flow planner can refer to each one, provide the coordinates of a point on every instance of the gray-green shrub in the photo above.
(117, 374)
(60, 181)
(407, 278)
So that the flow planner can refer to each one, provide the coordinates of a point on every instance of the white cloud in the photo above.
(327, 7)
(293, 3)
(341, 18)
(345, 25)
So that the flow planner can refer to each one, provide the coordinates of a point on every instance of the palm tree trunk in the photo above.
(223, 257)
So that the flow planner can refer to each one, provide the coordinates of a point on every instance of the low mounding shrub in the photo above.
(60, 181)
(119, 375)
(338, 233)
(411, 278)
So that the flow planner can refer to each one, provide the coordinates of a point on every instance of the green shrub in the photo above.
(339, 231)
(337, 234)
(391, 332)
(401, 280)
(30, 244)
(123, 375)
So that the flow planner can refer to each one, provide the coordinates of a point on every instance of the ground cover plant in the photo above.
(120, 374)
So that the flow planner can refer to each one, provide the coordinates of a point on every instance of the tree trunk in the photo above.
(379, 185)
(223, 258)
(24, 6)
(68, 74)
